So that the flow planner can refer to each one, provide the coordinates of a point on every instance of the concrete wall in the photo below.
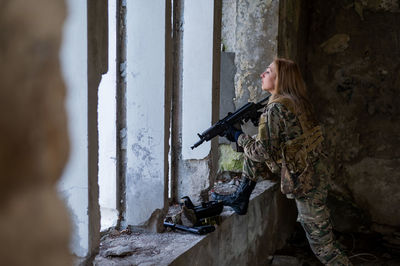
(355, 90)
(250, 30)
(293, 31)
(146, 106)
(84, 59)
(354, 79)
(34, 224)
(249, 35)
(74, 184)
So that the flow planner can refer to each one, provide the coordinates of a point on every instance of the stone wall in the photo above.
(353, 75)
(34, 145)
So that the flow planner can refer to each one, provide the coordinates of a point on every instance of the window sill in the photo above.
(238, 240)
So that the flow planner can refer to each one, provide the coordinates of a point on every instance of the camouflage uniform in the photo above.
(289, 144)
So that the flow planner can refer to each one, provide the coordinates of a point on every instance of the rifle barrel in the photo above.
(198, 143)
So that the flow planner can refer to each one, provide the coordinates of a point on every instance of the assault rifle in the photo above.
(198, 230)
(247, 112)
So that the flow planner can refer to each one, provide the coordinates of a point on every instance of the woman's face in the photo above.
(268, 79)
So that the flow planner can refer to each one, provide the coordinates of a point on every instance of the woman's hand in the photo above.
(233, 133)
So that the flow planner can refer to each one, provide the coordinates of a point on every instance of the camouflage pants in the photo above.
(253, 170)
(315, 219)
(313, 214)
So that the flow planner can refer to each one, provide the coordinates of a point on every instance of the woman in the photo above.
(289, 141)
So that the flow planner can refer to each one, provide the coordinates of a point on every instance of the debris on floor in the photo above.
(135, 246)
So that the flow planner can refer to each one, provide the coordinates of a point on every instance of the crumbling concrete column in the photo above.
(250, 30)
(249, 35)
(34, 225)
(147, 113)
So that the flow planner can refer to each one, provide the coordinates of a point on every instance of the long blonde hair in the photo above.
(290, 84)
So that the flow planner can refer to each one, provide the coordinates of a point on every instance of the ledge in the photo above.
(238, 240)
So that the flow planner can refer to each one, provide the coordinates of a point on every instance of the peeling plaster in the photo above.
(143, 153)
(252, 37)
(358, 7)
(192, 179)
(376, 5)
(390, 5)
(335, 44)
(249, 29)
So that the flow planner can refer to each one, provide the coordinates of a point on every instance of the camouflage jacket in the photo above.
(287, 143)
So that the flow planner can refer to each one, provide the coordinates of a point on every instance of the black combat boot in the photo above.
(238, 200)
